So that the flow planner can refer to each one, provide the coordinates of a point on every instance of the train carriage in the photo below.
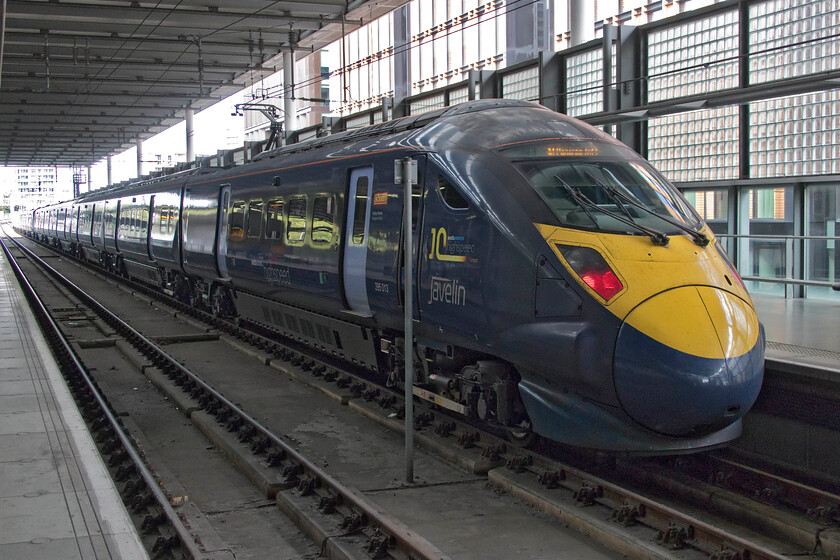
(561, 286)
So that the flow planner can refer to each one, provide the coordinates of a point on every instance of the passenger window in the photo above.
(451, 196)
(237, 219)
(274, 219)
(297, 219)
(144, 219)
(254, 218)
(360, 213)
(322, 219)
(164, 219)
(173, 219)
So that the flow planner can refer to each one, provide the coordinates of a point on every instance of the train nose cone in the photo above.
(689, 361)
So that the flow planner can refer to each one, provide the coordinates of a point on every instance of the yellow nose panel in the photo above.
(698, 320)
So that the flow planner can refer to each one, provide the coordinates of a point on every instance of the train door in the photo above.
(417, 210)
(384, 256)
(357, 230)
(96, 226)
(151, 218)
(457, 249)
(221, 231)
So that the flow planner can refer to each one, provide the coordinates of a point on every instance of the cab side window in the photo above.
(451, 196)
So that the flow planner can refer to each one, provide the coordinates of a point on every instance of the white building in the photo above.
(37, 186)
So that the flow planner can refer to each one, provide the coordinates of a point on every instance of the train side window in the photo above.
(144, 219)
(253, 221)
(296, 228)
(173, 218)
(451, 196)
(323, 217)
(360, 213)
(237, 219)
(274, 219)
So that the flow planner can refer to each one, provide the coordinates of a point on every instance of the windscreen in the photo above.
(600, 186)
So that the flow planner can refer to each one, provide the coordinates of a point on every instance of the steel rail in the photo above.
(184, 536)
(414, 545)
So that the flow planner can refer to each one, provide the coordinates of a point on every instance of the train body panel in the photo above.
(560, 284)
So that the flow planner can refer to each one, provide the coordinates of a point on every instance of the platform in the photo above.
(57, 501)
(803, 335)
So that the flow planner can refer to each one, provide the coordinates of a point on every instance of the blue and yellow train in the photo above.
(562, 286)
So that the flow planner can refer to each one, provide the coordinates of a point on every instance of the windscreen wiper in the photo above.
(698, 237)
(610, 193)
(658, 238)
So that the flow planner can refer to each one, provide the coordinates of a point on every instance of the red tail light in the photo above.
(593, 270)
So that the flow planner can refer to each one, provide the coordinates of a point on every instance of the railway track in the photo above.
(629, 522)
(161, 529)
(380, 535)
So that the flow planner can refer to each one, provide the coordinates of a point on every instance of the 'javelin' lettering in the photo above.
(446, 290)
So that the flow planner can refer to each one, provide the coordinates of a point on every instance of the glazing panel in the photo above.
(790, 38)
(797, 135)
(695, 146)
(459, 95)
(770, 214)
(584, 83)
(713, 207)
(523, 84)
(430, 103)
(822, 219)
(693, 58)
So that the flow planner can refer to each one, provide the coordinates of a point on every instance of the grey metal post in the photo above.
(2, 32)
(288, 93)
(88, 178)
(139, 157)
(581, 21)
(189, 113)
(108, 167)
(406, 170)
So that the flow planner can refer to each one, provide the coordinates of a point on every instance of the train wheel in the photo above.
(522, 435)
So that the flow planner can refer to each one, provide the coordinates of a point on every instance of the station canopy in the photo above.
(83, 79)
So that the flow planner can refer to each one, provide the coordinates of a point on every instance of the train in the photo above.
(562, 288)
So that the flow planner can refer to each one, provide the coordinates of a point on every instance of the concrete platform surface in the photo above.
(57, 501)
(803, 335)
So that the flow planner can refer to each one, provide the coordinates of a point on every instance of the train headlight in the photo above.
(592, 269)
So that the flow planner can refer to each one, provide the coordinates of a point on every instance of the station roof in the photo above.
(82, 79)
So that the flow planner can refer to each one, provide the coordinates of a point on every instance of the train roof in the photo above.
(481, 124)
